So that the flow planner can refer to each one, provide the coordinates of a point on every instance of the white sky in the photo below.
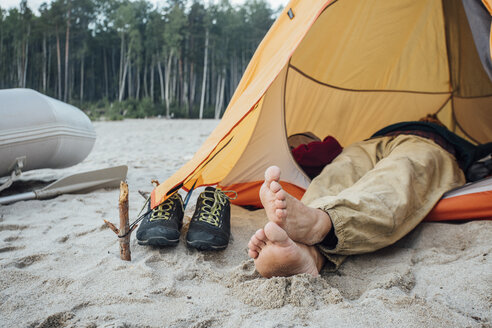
(34, 4)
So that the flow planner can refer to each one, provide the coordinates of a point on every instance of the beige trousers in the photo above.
(376, 191)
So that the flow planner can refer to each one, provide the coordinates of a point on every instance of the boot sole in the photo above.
(158, 241)
(205, 246)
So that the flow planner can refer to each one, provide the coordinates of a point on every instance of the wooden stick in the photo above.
(125, 253)
(124, 232)
(112, 227)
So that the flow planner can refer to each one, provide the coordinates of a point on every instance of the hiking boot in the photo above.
(161, 227)
(210, 226)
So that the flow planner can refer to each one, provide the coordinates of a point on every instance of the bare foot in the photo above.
(275, 254)
(303, 224)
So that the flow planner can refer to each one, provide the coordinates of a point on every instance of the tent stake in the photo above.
(124, 232)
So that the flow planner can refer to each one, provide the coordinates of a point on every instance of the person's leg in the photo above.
(273, 250)
(309, 225)
(409, 177)
(345, 170)
(392, 198)
(275, 254)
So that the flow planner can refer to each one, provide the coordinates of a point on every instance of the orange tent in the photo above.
(345, 68)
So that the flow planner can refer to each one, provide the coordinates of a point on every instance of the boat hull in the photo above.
(41, 132)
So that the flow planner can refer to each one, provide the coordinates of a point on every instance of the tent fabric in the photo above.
(344, 68)
(488, 5)
(269, 59)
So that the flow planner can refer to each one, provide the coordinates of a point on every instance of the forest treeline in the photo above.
(121, 58)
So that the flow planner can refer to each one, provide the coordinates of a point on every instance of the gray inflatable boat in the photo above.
(37, 131)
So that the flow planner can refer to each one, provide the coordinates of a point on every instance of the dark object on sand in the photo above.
(162, 225)
(210, 226)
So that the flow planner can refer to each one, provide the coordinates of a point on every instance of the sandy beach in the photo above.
(60, 265)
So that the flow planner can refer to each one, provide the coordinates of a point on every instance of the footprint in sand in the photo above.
(83, 233)
(28, 260)
(11, 239)
(12, 227)
(63, 239)
(10, 249)
(55, 320)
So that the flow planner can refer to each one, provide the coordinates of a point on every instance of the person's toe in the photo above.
(280, 214)
(253, 247)
(260, 235)
(256, 244)
(272, 174)
(280, 204)
(276, 234)
(253, 254)
(275, 187)
(281, 195)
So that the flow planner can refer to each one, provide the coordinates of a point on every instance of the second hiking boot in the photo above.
(210, 226)
(161, 227)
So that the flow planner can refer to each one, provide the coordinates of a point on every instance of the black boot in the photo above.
(161, 227)
(210, 226)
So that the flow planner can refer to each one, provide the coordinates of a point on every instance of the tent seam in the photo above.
(362, 90)
(444, 104)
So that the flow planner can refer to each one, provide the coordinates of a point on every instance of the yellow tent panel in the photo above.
(344, 68)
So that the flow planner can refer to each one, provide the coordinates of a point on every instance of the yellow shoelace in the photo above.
(163, 211)
(210, 213)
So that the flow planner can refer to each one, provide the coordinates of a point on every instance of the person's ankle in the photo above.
(318, 258)
(324, 225)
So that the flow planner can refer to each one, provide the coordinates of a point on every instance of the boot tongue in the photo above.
(209, 192)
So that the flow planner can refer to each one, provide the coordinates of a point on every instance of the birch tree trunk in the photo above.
(152, 81)
(161, 80)
(137, 92)
(146, 88)
(122, 86)
(44, 62)
(180, 83)
(125, 71)
(204, 79)
(48, 79)
(67, 48)
(217, 90)
(168, 84)
(58, 58)
(18, 52)
(26, 58)
(220, 94)
(192, 89)
(71, 82)
(122, 76)
(185, 90)
(122, 60)
(130, 80)
(82, 61)
(106, 78)
(174, 83)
